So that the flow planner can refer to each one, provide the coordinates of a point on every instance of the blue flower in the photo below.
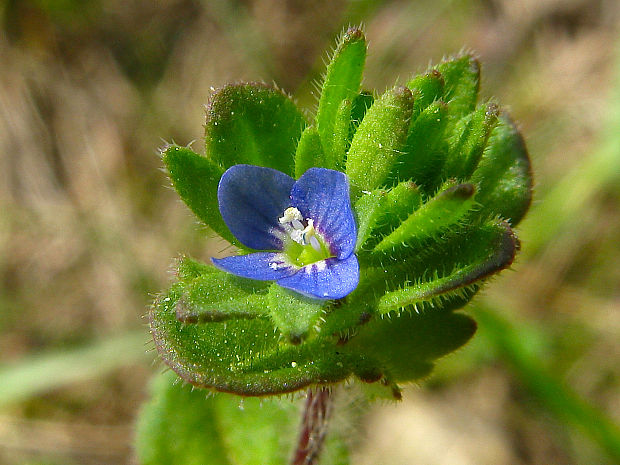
(304, 229)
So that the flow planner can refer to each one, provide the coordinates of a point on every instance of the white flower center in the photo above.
(292, 220)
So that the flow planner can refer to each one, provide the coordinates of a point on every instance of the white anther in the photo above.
(291, 214)
(300, 234)
(308, 233)
(314, 242)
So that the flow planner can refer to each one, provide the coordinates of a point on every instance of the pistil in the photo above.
(302, 232)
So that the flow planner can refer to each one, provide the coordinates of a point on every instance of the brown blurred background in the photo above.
(89, 89)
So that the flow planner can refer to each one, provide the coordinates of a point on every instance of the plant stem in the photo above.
(313, 426)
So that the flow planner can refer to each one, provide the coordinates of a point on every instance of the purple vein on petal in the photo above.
(323, 195)
(329, 279)
(251, 199)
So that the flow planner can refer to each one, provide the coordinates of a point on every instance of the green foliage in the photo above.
(221, 296)
(437, 215)
(468, 140)
(504, 174)
(341, 84)
(244, 355)
(309, 152)
(181, 424)
(437, 184)
(253, 124)
(488, 250)
(171, 429)
(426, 89)
(293, 314)
(423, 336)
(461, 78)
(379, 140)
(195, 178)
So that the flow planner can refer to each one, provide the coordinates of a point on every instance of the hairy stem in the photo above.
(313, 426)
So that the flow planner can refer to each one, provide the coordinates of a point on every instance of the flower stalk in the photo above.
(316, 414)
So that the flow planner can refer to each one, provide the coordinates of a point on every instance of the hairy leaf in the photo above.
(461, 77)
(342, 82)
(379, 140)
(443, 211)
(253, 124)
(504, 175)
(195, 179)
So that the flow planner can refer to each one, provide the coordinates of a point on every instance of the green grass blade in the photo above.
(563, 402)
(38, 374)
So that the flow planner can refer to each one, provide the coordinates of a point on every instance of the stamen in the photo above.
(291, 214)
(314, 242)
(298, 236)
(309, 248)
(308, 232)
(304, 235)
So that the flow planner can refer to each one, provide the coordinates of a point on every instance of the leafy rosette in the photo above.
(358, 233)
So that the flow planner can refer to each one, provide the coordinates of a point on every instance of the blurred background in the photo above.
(90, 89)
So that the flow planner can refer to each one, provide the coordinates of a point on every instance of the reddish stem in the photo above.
(313, 427)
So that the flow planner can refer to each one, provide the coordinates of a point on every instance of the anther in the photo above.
(291, 214)
(314, 242)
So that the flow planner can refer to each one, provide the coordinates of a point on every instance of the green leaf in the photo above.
(426, 88)
(242, 356)
(342, 82)
(406, 346)
(401, 202)
(482, 254)
(341, 131)
(362, 102)
(378, 141)
(220, 296)
(368, 209)
(468, 141)
(248, 357)
(442, 212)
(309, 152)
(183, 425)
(461, 84)
(189, 269)
(195, 178)
(504, 176)
(178, 425)
(345, 318)
(425, 151)
(257, 432)
(253, 124)
(293, 314)
(379, 212)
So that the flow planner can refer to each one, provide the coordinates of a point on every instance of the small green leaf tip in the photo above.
(431, 184)
(195, 179)
(379, 140)
(342, 83)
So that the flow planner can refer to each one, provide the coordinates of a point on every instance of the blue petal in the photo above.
(264, 266)
(251, 199)
(323, 195)
(334, 280)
